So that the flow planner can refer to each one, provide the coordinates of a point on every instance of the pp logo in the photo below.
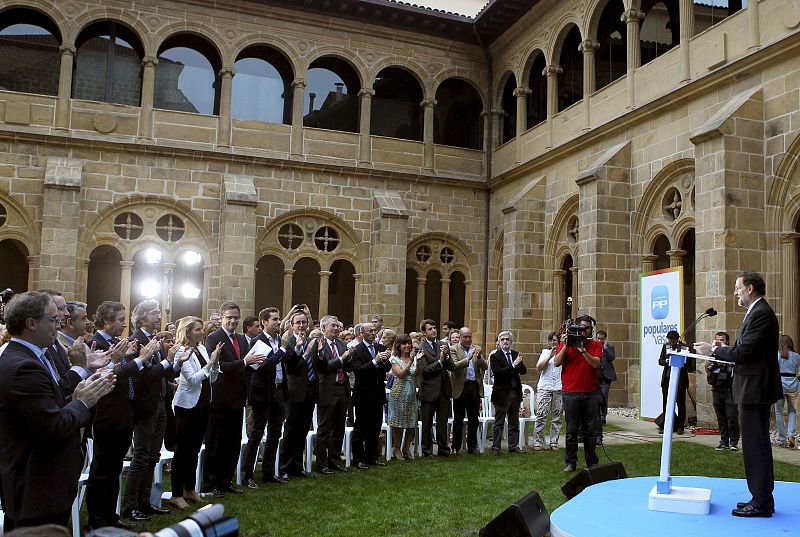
(659, 302)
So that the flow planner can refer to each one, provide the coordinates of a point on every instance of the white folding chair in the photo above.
(242, 447)
(76, 506)
(311, 438)
(486, 416)
(527, 392)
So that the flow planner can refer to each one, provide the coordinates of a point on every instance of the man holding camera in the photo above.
(579, 355)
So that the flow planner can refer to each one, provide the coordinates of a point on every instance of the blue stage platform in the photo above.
(619, 508)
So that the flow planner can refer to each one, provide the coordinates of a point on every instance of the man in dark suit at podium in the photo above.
(756, 386)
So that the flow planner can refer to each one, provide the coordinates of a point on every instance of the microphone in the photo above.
(710, 312)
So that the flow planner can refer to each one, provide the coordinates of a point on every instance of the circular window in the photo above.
(672, 204)
(423, 253)
(128, 226)
(3, 215)
(170, 228)
(290, 236)
(446, 255)
(326, 239)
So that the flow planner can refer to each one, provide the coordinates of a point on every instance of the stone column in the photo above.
(61, 208)
(288, 276)
(356, 298)
(65, 86)
(497, 127)
(486, 132)
(468, 320)
(148, 90)
(575, 290)
(420, 299)
(298, 102)
(551, 72)
(589, 49)
(444, 308)
(648, 263)
(559, 300)
(686, 11)
(83, 289)
(753, 25)
(676, 258)
(167, 270)
(633, 19)
(791, 308)
(206, 282)
(224, 123)
(365, 116)
(521, 93)
(125, 287)
(427, 133)
(237, 256)
(324, 279)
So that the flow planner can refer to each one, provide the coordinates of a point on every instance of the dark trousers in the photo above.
(582, 411)
(169, 430)
(603, 403)
(680, 402)
(61, 519)
(223, 444)
(469, 403)
(757, 454)
(148, 435)
(190, 430)
(271, 414)
(441, 409)
(298, 422)
(508, 410)
(727, 416)
(102, 488)
(367, 429)
(330, 431)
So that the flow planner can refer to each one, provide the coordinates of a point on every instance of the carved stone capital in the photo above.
(552, 70)
(428, 102)
(299, 82)
(366, 92)
(522, 91)
(149, 61)
(588, 45)
(68, 48)
(631, 16)
(227, 72)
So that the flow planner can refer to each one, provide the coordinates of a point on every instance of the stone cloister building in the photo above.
(503, 171)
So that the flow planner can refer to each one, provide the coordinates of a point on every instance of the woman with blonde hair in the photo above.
(191, 403)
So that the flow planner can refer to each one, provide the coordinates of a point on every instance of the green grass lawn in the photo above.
(442, 497)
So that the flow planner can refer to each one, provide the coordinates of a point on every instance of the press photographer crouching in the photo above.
(579, 355)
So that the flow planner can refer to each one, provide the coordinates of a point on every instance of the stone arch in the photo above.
(508, 71)
(458, 74)
(19, 224)
(281, 45)
(56, 16)
(554, 242)
(652, 235)
(593, 15)
(643, 216)
(779, 198)
(565, 26)
(416, 70)
(341, 53)
(681, 228)
(530, 57)
(436, 241)
(224, 52)
(120, 16)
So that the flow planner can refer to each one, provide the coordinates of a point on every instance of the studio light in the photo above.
(190, 291)
(152, 256)
(150, 288)
(192, 258)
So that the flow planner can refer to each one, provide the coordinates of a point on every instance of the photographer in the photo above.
(579, 356)
(683, 384)
(720, 376)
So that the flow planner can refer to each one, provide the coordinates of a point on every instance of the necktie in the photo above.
(236, 346)
(310, 364)
(340, 371)
(46, 363)
(371, 351)
(513, 376)
(508, 357)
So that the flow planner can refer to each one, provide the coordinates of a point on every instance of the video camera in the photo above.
(206, 522)
(575, 333)
(5, 297)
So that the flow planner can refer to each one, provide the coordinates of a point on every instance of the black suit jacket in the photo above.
(504, 373)
(756, 377)
(115, 410)
(150, 386)
(370, 380)
(607, 364)
(230, 390)
(683, 379)
(327, 368)
(262, 385)
(68, 379)
(40, 455)
(433, 379)
(296, 368)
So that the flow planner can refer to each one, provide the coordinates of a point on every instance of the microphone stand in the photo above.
(702, 316)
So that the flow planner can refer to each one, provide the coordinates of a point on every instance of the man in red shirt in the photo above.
(580, 393)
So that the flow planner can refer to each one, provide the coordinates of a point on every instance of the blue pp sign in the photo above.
(659, 302)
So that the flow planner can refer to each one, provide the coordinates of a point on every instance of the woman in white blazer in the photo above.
(191, 402)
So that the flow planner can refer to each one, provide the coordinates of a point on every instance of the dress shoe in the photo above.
(376, 463)
(742, 505)
(326, 471)
(151, 509)
(300, 473)
(123, 524)
(734, 447)
(251, 484)
(362, 466)
(660, 430)
(751, 512)
(569, 468)
(218, 493)
(515, 450)
(135, 515)
(177, 503)
(274, 479)
(338, 468)
(680, 430)
(233, 490)
(193, 497)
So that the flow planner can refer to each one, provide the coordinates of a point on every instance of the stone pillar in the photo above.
(648, 263)
(385, 286)
(237, 256)
(589, 49)
(206, 286)
(468, 320)
(497, 127)
(84, 286)
(521, 93)
(444, 308)
(356, 298)
(676, 258)
(224, 123)
(298, 101)
(559, 300)
(288, 276)
(167, 270)
(551, 72)
(633, 19)
(148, 89)
(61, 208)
(365, 148)
(753, 25)
(486, 132)
(420, 300)
(791, 290)
(324, 279)
(575, 290)
(686, 10)
(427, 133)
(65, 86)
(125, 288)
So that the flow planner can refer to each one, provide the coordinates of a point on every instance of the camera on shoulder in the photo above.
(575, 333)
